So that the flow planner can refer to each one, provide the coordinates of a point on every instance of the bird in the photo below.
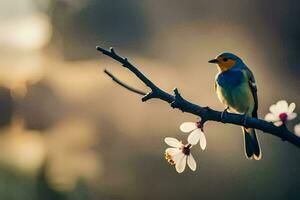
(236, 89)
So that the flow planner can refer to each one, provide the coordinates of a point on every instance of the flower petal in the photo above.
(292, 116)
(202, 141)
(177, 157)
(172, 151)
(180, 165)
(274, 109)
(297, 130)
(191, 162)
(173, 142)
(282, 106)
(279, 123)
(270, 117)
(187, 127)
(194, 136)
(291, 108)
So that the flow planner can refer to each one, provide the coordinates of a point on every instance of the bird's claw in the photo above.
(245, 120)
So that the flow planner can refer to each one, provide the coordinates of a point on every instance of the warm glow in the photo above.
(29, 33)
(21, 149)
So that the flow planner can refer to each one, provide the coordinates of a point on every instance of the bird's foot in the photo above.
(223, 114)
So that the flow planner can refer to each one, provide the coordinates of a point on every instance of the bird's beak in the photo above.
(213, 61)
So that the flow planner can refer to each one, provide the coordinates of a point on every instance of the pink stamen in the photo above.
(283, 117)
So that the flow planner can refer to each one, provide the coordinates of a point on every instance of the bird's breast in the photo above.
(233, 90)
(230, 78)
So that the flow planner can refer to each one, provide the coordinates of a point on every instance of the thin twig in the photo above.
(124, 84)
(206, 113)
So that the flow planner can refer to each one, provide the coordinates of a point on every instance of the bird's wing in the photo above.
(253, 87)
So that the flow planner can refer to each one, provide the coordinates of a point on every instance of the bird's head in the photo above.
(226, 61)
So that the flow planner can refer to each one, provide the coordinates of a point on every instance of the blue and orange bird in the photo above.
(236, 89)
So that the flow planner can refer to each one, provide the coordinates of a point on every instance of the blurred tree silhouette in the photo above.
(122, 23)
(6, 106)
(15, 186)
(39, 107)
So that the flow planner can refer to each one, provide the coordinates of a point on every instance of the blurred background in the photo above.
(68, 132)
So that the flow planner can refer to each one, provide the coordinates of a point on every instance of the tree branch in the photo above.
(206, 113)
(123, 84)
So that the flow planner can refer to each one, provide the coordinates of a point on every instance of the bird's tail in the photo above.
(252, 149)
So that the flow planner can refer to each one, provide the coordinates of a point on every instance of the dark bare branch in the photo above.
(124, 84)
(206, 113)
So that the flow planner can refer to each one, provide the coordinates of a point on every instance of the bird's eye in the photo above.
(225, 59)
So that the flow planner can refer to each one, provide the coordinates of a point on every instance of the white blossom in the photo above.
(179, 154)
(281, 112)
(297, 130)
(196, 133)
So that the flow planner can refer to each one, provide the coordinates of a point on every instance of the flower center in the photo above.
(186, 150)
(198, 124)
(283, 117)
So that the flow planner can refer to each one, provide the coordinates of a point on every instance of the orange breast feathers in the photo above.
(224, 66)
